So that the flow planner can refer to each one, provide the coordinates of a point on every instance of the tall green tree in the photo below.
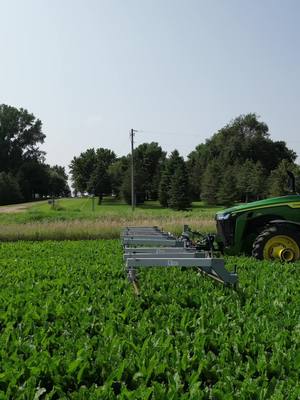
(89, 171)
(81, 169)
(58, 182)
(99, 182)
(179, 198)
(60, 170)
(164, 189)
(250, 180)
(9, 189)
(244, 138)
(20, 136)
(148, 161)
(117, 171)
(138, 187)
(27, 175)
(174, 187)
(227, 189)
(169, 169)
(248, 138)
(211, 181)
(196, 165)
(34, 180)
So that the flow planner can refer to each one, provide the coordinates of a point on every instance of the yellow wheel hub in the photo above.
(281, 247)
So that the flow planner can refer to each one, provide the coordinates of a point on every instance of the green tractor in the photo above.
(266, 229)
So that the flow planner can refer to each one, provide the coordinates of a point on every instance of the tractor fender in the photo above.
(280, 222)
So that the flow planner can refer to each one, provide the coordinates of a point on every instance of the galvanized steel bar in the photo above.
(153, 242)
(213, 267)
(169, 255)
(158, 250)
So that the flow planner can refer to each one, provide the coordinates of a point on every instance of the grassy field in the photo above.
(71, 328)
(75, 219)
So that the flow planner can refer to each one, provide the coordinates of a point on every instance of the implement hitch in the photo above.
(162, 249)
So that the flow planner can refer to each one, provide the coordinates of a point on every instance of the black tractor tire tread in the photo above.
(268, 232)
(257, 251)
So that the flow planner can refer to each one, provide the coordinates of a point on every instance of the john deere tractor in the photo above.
(267, 229)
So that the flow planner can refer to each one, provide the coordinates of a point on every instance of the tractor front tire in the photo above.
(277, 242)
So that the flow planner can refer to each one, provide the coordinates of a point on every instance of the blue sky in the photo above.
(176, 70)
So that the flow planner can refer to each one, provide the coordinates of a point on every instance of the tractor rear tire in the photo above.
(277, 242)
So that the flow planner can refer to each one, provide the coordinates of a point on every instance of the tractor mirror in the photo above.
(291, 182)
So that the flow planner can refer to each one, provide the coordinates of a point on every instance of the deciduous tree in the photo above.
(89, 171)
(20, 136)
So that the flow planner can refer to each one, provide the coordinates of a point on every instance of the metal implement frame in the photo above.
(149, 236)
(169, 252)
(169, 255)
(214, 267)
(127, 241)
(158, 250)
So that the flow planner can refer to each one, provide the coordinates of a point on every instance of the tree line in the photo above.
(238, 163)
(24, 175)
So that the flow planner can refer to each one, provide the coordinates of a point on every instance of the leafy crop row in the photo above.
(70, 327)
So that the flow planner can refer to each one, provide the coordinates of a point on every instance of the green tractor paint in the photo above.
(266, 229)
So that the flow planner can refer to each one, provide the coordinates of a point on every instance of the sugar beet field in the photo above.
(71, 328)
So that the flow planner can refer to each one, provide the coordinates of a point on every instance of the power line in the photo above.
(170, 133)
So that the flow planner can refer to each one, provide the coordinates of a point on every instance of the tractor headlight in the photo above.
(222, 217)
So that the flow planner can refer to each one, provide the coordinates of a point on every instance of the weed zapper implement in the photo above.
(165, 250)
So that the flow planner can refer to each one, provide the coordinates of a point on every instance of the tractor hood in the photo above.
(292, 201)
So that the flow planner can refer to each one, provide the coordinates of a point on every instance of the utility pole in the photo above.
(132, 132)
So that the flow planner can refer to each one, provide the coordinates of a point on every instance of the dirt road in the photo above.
(14, 208)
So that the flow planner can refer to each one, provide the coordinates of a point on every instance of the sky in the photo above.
(177, 71)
